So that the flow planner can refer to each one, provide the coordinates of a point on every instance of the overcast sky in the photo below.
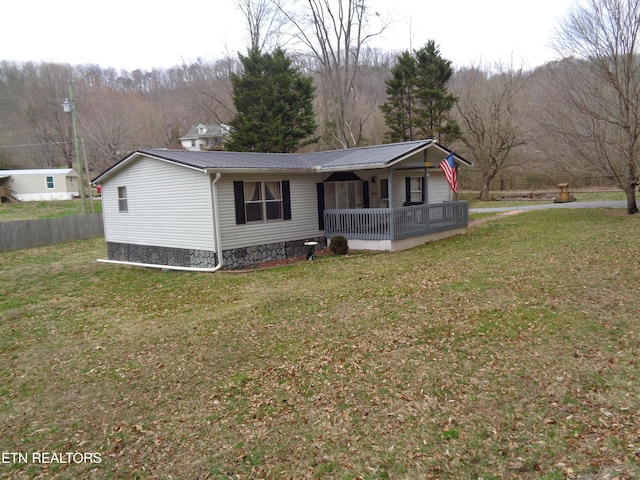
(130, 34)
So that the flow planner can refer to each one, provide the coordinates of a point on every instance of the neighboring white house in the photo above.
(205, 137)
(206, 210)
(39, 184)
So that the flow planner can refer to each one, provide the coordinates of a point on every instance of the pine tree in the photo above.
(274, 105)
(398, 109)
(418, 102)
(435, 101)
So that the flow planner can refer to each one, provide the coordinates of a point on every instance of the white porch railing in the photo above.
(395, 223)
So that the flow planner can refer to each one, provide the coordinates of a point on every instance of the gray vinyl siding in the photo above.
(168, 206)
(438, 189)
(397, 188)
(304, 212)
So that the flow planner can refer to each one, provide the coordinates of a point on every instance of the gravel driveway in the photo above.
(607, 204)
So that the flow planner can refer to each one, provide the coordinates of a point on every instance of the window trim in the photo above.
(52, 182)
(123, 204)
(265, 204)
(419, 192)
(241, 203)
(409, 191)
(332, 198)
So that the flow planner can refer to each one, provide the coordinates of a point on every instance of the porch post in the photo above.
(425, 182)
(391, 222)
(390, 187)
(426, 185)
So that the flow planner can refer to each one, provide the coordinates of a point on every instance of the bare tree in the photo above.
(210, 89)
(264, 21)
(490, 119)
(45, 87)
(336, 32)
(601, 89)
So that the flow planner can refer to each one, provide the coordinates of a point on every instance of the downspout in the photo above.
(217, 241)
(216, 222)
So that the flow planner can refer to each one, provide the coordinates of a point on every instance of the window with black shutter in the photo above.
(262, 201)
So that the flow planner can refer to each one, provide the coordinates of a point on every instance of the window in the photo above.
(343, 194)
(415, 190)
(253, 201)
(262, 201)
(122, 199)
(384, 193)
(50, 183)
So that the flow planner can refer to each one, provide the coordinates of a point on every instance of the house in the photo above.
(205, 137)
(207, 210)
(39, 184)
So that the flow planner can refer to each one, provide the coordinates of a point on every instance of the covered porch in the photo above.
(397, 228)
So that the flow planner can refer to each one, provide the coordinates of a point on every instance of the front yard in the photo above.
(508, 352)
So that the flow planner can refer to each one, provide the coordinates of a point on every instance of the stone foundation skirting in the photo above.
(238, 258)
(174, 257)
(234, 259)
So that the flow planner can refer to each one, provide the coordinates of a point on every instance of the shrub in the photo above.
(339, 245)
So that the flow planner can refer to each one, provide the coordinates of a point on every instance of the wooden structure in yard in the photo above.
(564, 196)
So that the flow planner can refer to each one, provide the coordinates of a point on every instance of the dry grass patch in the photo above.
(509, 352)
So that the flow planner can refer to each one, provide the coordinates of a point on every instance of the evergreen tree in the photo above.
(418, 102)
(435, 101)
(274, 105)
(398, 109)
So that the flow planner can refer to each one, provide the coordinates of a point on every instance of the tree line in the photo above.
(573, 120)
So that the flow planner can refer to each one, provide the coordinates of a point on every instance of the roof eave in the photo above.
(210, 170)
(139, 153)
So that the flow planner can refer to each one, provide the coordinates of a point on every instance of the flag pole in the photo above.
(457, 197)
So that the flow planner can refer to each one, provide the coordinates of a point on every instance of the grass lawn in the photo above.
(585, 195)
(510, 352)
(49, 209)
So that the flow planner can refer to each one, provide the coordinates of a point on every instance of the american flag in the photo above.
(449, 168)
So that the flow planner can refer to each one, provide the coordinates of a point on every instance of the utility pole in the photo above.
(69, 105)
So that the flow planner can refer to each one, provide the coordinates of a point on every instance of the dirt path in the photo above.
(474, 223)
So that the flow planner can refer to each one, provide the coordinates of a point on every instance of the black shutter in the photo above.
(320, 190)
(286, 200)
(365, 194)
(407, 183)
(424, 184)
(238, 195)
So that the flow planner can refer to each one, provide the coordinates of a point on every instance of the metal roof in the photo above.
(361, 158)
(39, 171)
(366, 157)
(222, 159)
(209, 131)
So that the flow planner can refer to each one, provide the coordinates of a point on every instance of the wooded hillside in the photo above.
(119, 111)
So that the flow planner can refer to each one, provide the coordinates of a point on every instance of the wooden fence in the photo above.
(48, 231)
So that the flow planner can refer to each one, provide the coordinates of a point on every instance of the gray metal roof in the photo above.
(39, 171)
(209, 131)
(366, 157)
(223, 160)
(362, 158)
